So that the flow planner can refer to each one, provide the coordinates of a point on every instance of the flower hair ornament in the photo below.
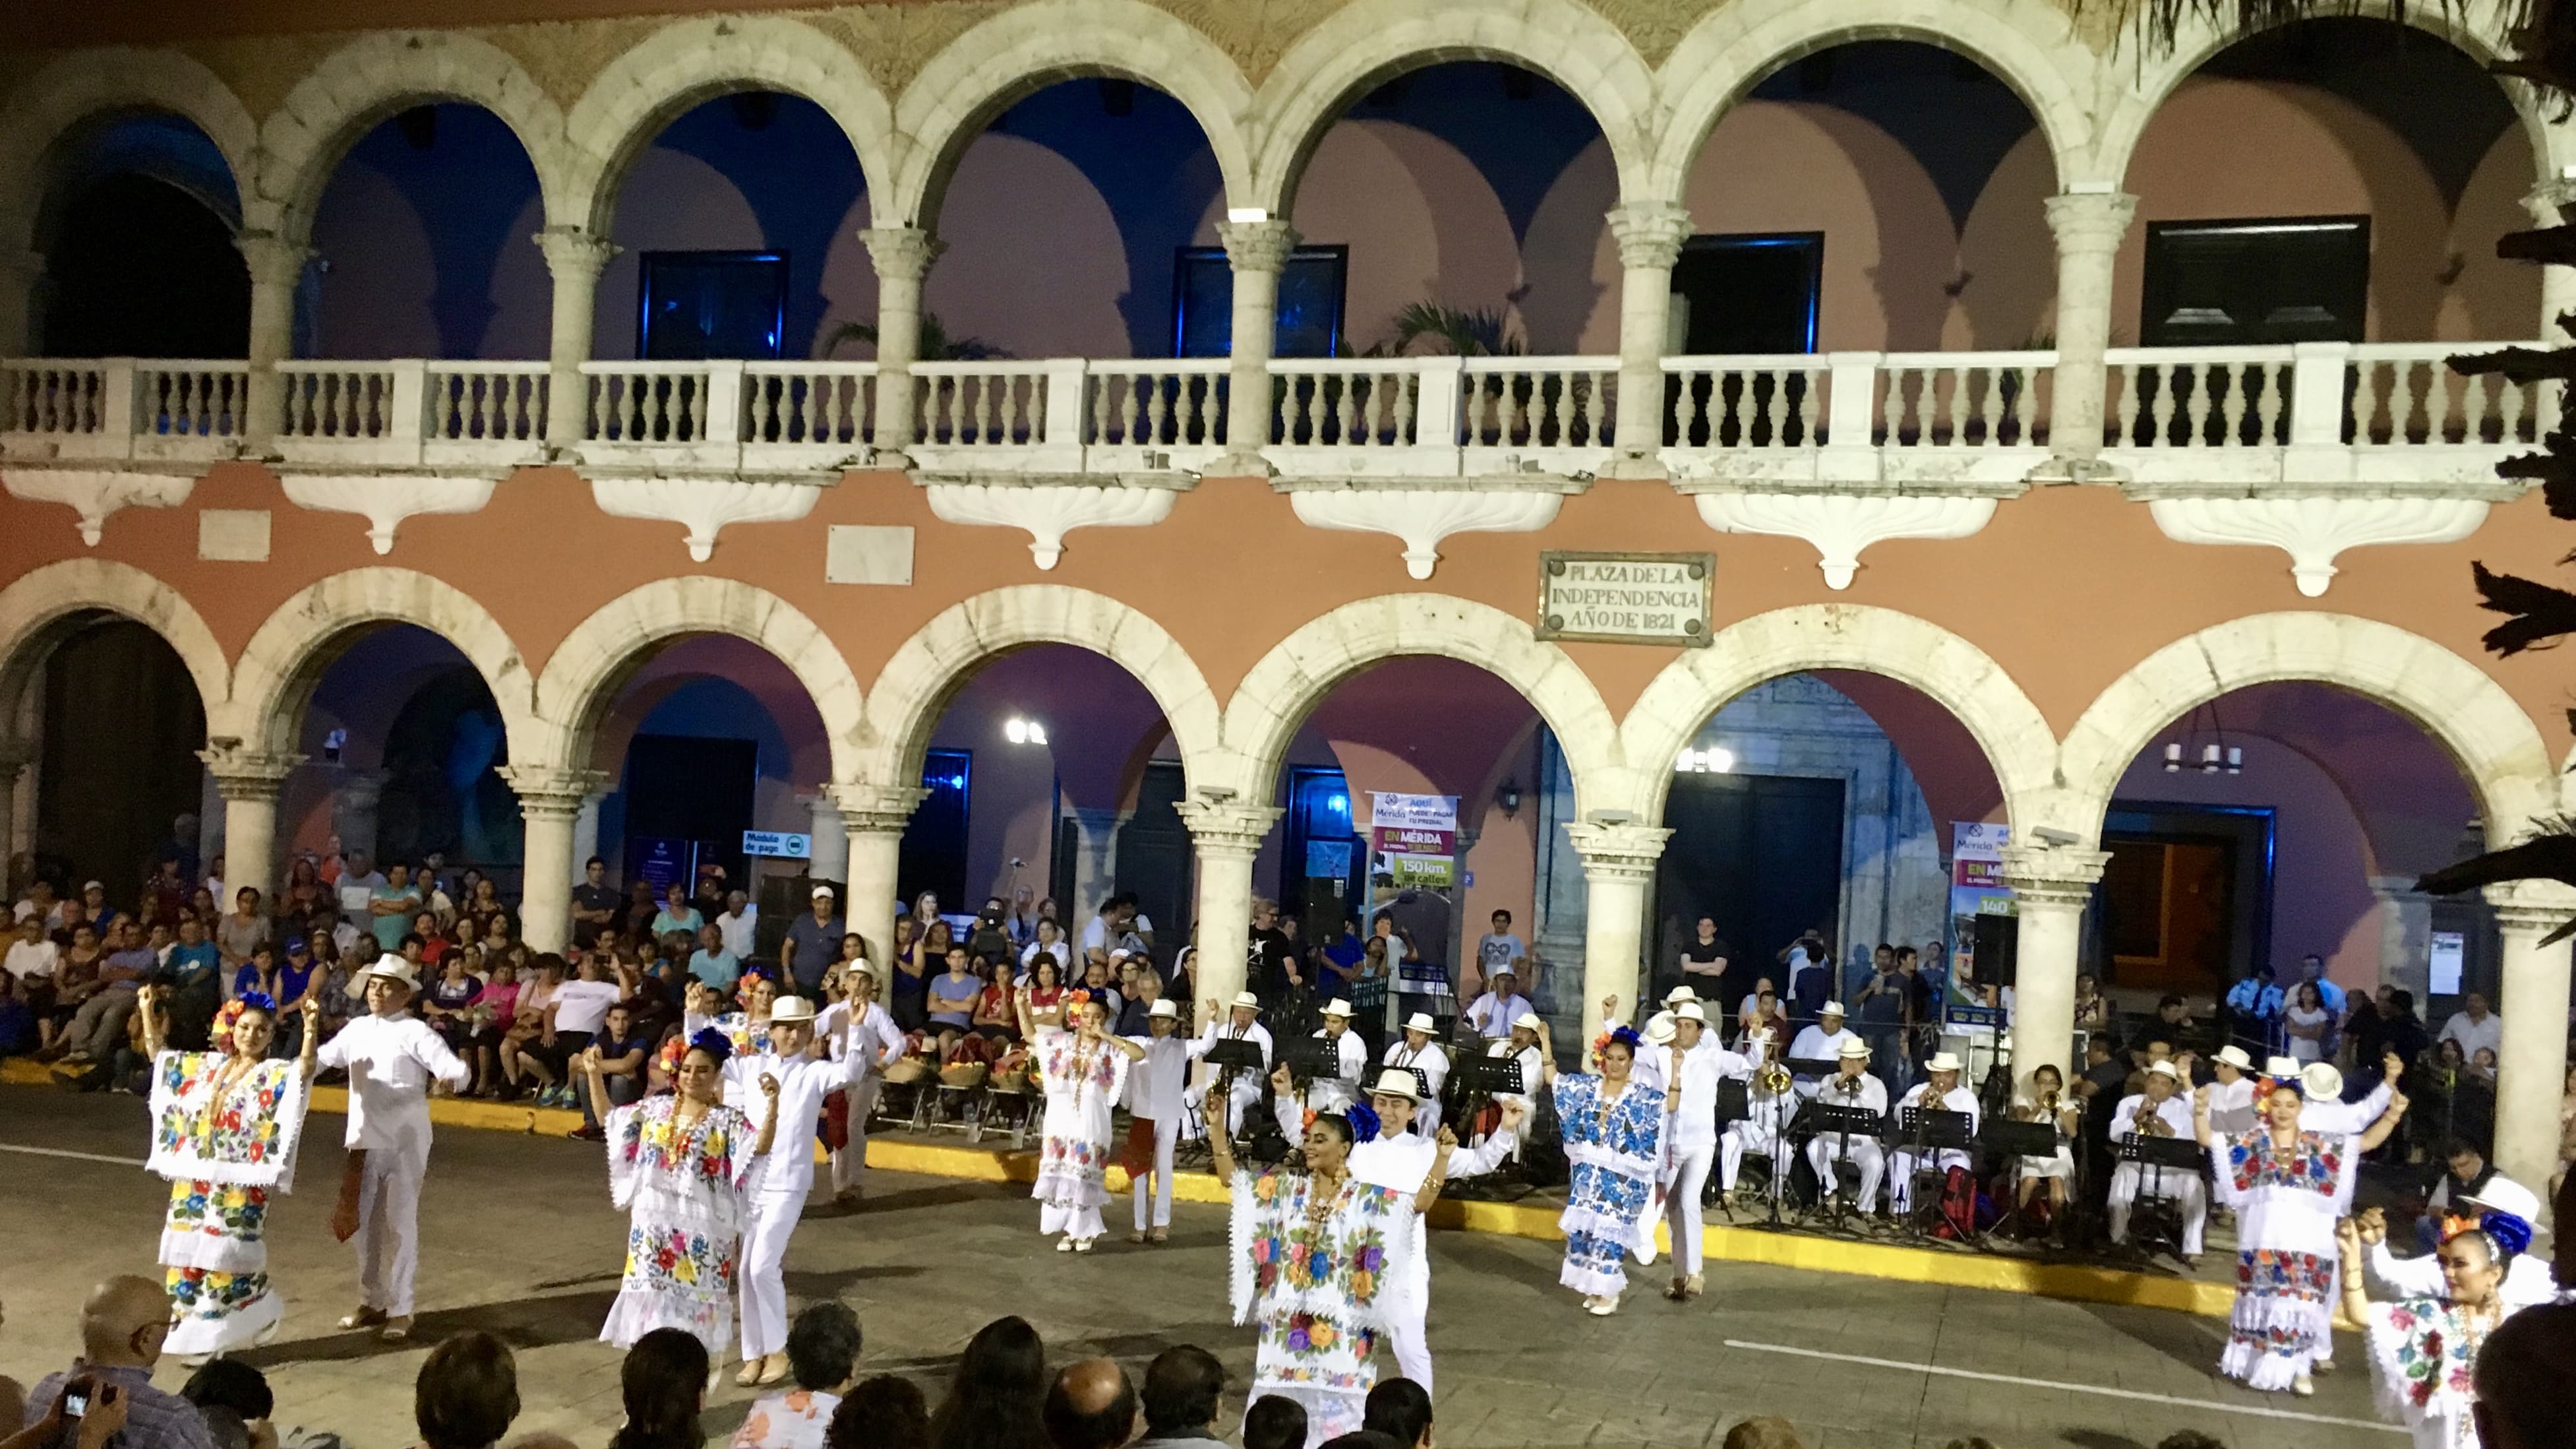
(742, 987)
(668, 1059)
(714, 1043)
(2507, 1236)
(1364, 1123)
(235, 1009)
(1621, 1035)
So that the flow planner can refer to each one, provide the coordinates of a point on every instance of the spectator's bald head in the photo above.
(124, 1320)
(1090, 1406)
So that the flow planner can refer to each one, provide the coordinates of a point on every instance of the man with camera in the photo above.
(105, 1400)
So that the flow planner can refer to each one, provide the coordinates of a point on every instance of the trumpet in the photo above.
(2048, 1107)
(1774, 1076)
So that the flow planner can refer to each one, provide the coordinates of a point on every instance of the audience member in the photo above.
(664, 1385)
(823, 1355)
(1363, 1439)
(995, 1400)
(883, 1413)
(1091, 1405)
(122, 1326)
(1400, 1409)
(2522, 1372)
(1183, 1387)
(1766, 1432)
(1276, 1422)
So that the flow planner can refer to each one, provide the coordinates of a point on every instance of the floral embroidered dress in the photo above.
(1314, 1279)
(2285, 1252)
(2421, 1353)
(684, 1190)
(223, 1158)
(1613, 1149)
(1073, 1157)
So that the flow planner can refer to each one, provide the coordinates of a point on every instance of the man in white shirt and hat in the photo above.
(1402, 1157)
(1694, 1065)
(391, 1057)
(1941, 1093)
(2231, 1095)
(1333, 1093)
(1851, 1086)
(1492, 1014)
(785, 1176)
(1157, 1084)
(2161, 1110)
(864, 1039)
(1822, 1042)
(1416, 1051)
(1758, 1131)
(2527, 1281)
(1242, 1023)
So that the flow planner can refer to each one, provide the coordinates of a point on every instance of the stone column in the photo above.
(551, 798)
(1095, 861)
(873, 818)
(249, 780)
(903, 255)
(1618, 867)
(585, 833)
(16, 754)
(1226, 836)
(353, 809)
(2405, 934)
(276, 270)
(2050, 888)
(1650, 236)
(574, 257)
(1258, 252)
(20, 274)
(2088, 226)
(830, 859)
(2547, 203)
(2531, 1066)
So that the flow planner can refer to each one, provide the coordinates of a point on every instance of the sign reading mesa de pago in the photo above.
(1625, 598)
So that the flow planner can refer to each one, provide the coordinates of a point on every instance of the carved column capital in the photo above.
(273, 260)
(575, 252)
(902, 252)
(2531, 907)
(1226, 828)
(1257, 246)
(2053, 876)
(1622, 851)
(2090, 221)
(552, 792)
(882, 808)
(1650, 233)
(244, 773)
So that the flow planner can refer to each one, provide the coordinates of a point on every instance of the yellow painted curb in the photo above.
(1520, 1220)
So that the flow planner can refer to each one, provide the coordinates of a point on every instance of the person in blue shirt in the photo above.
(2312, 967)
(194, 973)
(2254, 1013)
(297, 978)
(712, 963)
(677, 914)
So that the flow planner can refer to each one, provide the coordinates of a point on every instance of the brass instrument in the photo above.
(1774, 1076)
(2048, 1107)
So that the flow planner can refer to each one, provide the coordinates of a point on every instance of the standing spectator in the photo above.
(1702, 959)
(715, 962)
(1183, 1389)
(2306, 1024)
(823, 1354)
(122, 1326)
(358, 883)
(1885, 1007)
(810, 941)
(677, 914)
(1500, 949)
(2474, 1027)
(2312, 968)
(392, 906)
(2254, 1006)
(1091, 1405)
(739, 926)
(594, 904)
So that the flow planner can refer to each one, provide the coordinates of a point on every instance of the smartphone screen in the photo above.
(75, 1404)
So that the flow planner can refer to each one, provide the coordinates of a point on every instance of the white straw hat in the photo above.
(2165, 1069)
(1338, 1007)
(2322, 1081)
(2235, 1057)
(791, 1008)
(1830, 1008)
(1527, 1020)
(1942, 1062)
(1164, 1009)
(1680, 993)
(1853, 1048)
(1396, 1082)
(1419, 1021)
(1659, 1029)
(1246, 998)
(2282, 1068)
(392, 968)
(1690, 1011)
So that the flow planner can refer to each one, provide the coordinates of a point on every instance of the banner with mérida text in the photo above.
(1413, 840)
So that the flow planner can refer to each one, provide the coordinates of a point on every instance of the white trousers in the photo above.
(1405, 1335)
(1166, 1135)
(765, 1230)
(1826, 1150)
(1082, 1223)
(2130, 1180)
(1681, 1206)
(1905, 1164)
(388, 1239)
(1751, 1134)
(1242, 1099)
(850, 1164)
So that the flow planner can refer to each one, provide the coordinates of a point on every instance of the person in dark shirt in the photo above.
(1270, 961)
(594, 904)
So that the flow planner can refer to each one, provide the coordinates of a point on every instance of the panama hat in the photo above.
(1419, 1021)
(1853, 1048)
(1338, 1007)
(1247, 999)
(1830, 1008)
(791, 1009)
(1527, 1020)
(1396, 1082)
(1163, 1009)
(1942, 1062)
(1690, 1011)
(2235, 1057)
(392, 968)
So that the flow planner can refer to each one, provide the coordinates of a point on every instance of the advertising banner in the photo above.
(1413, 840)
(1976, 885)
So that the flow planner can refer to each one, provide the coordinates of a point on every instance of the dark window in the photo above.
(1748, 295)
(692, 795)
(1308, 322)
(140, 268)
(698, 305)
(2260, 280)
(933, 856)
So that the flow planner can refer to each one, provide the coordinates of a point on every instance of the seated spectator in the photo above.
(883, 1413)
(952, 995)
(487, 1020)
(1362, 1439)
(236, 1401)
(17, 1020)
(997, 1016)
(713, 962)
(448, 1004)
(619, 1055)
(1183, 1387)
(97, 1028)
(1401, 1410)
(122, 1326)
(664, 1385)
(536, 992)
(996, 1396)
(1091, 1405)
(1277, 1422)
(573, 1016)
(466, 1394)
(677, 914)
(1766, 1432)
(823, 1355)
(1046, 981)
(194, 972)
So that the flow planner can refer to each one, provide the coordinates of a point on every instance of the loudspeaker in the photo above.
(1992, 949)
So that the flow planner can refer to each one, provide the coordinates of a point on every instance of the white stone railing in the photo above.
(1715, 403)
(114, 408)
(1525, 414)
(1962, 399)
(1148, 415)
(2198, 397)
(500, 403)
(2404, 394)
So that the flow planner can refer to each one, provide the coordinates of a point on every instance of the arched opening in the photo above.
(116, 779)
(2393, 163)
(1126, 262)
(423, 237)
(137, 234)
(738, 224)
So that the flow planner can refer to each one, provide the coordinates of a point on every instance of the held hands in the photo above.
(1513, 1114)
(769, 1086)
(1447, 1139)
(1280, 1081)
(2391, 1067)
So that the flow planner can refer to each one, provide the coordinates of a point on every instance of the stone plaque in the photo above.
(232, 535)
(1625, 598)
(856, 553)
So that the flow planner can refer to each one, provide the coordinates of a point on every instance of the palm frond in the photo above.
(933, 344)
(1455, 331)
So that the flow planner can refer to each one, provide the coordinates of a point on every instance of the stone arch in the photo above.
(40, 605)
(682, 64)
(2027, 44)
(982, 71)
(92, 83)
(1363, 43)
(2493, 741)
(368, 79)
(1283, 688)
(2139, 82)
(586, 669)
(926, 671)
(274, 680)
(1946, 668)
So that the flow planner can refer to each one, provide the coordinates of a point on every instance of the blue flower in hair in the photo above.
(714, 1043)
(258, 1001)
(1364, 1123)
(1627, 1037)
(2510, 1234)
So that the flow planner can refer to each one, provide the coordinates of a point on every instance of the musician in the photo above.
(2051, 1103)
(1695, 1064)
(1822, 1042)
(1493, 1013)
(1767, 1101)
(1417, 1053)
(1852, 1086)
(1242, 1023)
(2231, 1096)
(1941, 1093)
(1340, 1090)
(2159, 1111)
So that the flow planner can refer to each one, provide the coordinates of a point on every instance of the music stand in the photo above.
(1493, 1076)
(1230, 1055)
(1926, 1131)
(2157, 1156)
(1845, 1121)
(2013, 1141)
(1313, 1059)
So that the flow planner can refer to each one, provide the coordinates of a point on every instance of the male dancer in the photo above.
(390, 1056)
(866, 1041)
(785, 1176)
(1154, 1090)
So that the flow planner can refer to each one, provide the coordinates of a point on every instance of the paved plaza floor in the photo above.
(519, 1239)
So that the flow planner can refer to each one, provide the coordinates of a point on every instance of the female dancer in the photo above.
(746, 1028)
(2424, 1350)
(2283, 1185)
(1082, 1068)
(225, 1125)
(1614, 1131)
(1314, 1255)
(681, 1165)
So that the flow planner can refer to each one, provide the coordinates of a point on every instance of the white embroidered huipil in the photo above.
(1082, 1083)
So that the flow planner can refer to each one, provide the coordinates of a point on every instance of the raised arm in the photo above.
(590, 1074)
(1212, 1110)
(2356, 1302)
(1547, 1056)
(147, 1011)
(312, 1009)
(769, 1118)
(2387, 1123)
